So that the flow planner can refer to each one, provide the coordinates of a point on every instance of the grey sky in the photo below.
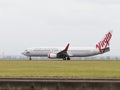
(35, 23)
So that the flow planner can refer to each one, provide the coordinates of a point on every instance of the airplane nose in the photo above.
(23, 53)
(26, 53)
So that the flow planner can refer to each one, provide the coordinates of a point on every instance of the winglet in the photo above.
(66, 48)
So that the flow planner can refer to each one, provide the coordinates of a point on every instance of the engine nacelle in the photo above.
(52, 55)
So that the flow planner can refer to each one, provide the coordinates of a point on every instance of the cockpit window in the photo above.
(27, 52)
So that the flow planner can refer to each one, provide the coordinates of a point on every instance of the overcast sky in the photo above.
(36, 23)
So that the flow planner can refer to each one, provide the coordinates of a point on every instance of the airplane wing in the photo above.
(63, 54)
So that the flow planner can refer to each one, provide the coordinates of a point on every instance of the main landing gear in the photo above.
(66, 58)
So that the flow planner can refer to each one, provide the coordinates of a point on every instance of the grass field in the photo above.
(81, 69)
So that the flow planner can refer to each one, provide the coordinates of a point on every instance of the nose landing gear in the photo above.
(30, 58)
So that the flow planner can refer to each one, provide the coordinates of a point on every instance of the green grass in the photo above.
(59, 68)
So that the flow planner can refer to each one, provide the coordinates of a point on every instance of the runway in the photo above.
(30, 83)
(38, 79)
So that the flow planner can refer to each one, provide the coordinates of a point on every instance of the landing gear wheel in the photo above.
(68, 58)
(64, 58)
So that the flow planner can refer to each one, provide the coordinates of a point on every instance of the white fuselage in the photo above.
(67, 52)
(72, 52)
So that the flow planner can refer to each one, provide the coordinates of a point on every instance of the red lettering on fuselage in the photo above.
(103, 44)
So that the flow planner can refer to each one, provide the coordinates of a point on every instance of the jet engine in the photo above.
(52, 55)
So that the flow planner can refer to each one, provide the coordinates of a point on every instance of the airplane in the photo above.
(67, 52)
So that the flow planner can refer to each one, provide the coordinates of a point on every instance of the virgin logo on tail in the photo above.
(104, 43)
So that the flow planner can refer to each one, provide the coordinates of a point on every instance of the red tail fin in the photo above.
(105, 42)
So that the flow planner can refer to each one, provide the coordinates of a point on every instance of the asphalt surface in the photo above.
(36, 79)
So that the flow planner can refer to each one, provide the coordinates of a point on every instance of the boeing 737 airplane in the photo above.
(67, 52)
